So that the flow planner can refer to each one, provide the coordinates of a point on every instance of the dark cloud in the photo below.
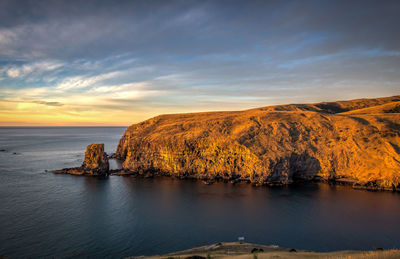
(93, 29)
(48, 103)
(199, 53)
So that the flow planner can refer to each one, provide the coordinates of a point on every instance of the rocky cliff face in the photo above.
(96, 159)
(95, 163)
(272, 145)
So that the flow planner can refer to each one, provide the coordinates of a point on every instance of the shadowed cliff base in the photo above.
(241, 250)
(351, 142)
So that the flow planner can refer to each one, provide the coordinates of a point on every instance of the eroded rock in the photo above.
(95, 163)
(96, 159)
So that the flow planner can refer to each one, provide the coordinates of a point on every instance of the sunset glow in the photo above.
(61, 64)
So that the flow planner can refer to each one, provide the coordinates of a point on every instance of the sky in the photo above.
(121, 62)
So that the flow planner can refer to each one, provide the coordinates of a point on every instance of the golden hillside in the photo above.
(383, 108)
(272, 145)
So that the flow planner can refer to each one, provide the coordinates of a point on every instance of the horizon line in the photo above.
(194, 112)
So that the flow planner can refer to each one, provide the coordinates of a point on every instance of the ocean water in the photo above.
(43, 215)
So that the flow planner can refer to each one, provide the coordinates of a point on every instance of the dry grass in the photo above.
(243, 251)
(379, 109)
(390, 254)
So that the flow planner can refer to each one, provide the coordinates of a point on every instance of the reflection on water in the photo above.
(43, 215)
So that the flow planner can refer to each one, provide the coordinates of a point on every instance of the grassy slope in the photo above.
(379, 109)
(243, 251)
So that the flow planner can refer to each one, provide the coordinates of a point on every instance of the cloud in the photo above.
(121, 57)
(13, 72)
(31, 69)
(63, 31)
(84, 81)
(33, 101)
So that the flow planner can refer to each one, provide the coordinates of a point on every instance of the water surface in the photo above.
(45, 215)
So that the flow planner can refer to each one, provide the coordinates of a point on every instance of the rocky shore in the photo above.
(353, 142)
(370, 186)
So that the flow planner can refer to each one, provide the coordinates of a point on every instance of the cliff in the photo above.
(356, 141)
(95, 163)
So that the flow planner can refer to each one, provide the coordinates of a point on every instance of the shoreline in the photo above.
(369, 186)
(245, 250)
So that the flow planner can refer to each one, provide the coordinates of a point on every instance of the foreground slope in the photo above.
(249, 251)
(272, 145)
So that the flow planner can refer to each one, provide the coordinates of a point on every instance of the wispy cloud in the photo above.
(85, 81)
(34, 101)
(31, 69)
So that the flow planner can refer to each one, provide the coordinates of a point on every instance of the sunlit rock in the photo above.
(95, 163)
(96, 160)
(353, 140)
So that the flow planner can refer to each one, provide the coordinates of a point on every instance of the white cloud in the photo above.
(114, 88)
(35, 68)
(85, 81)
(129, 91)
(13, 72)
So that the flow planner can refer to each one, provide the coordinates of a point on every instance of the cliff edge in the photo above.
(345, 141)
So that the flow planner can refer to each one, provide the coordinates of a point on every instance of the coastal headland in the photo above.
(354, 142)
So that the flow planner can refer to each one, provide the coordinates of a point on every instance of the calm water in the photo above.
(45, 215)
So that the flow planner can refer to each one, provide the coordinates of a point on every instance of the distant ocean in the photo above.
(43, 215)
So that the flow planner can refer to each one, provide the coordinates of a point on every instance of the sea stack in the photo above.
(95, 163)
(96, 160)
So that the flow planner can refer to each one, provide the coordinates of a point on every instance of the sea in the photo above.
(44, 215)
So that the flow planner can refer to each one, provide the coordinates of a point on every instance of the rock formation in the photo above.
(349, 141)
(95, 163)
(96, 159)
